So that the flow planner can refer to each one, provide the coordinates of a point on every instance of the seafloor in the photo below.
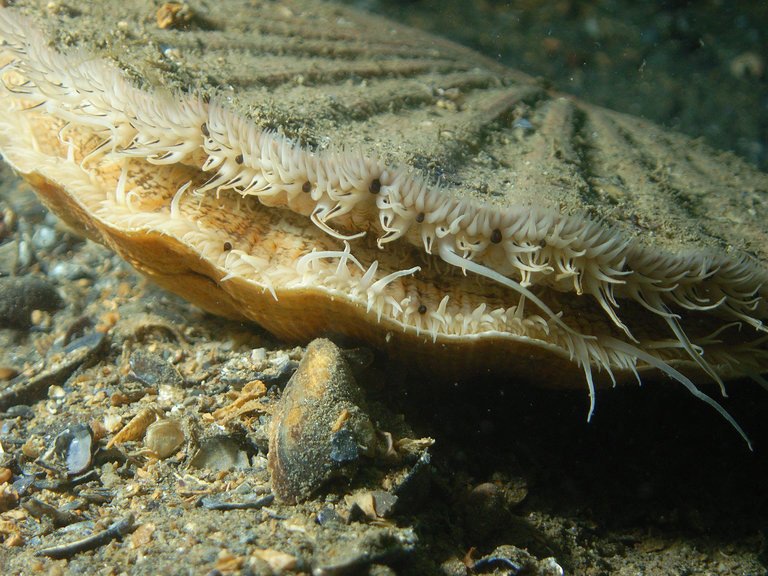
(517, 480)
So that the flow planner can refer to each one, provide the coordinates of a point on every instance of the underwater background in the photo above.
(696, 67)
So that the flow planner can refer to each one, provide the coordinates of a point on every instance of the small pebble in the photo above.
(9, 257)
(44, 238)
(486, 511)
(279, 562)
(20, 296)
(25, 255)
(344, 448)
(152, 370)
(68, 271)
(327, 515)
(220, 453)
(56, 392)
(258, 355)
(173, 15)
(8, 373)
(381, 570)
(20, 411)
(747, 65)
(523, 124)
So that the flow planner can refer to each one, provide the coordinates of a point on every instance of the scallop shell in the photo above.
(321, 171)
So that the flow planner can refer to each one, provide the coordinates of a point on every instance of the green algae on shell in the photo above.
(321, 171)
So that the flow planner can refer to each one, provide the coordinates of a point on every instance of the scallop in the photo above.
(316, 170)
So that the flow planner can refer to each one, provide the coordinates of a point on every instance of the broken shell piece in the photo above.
(153, 370)
(112, 422)
(220, 453)
(80, 450)
(75, 447)
(279, 562)
(9, 497)
(375, 505)
(518, 560)
(164, 437)
(318, 430)
(138, 425)
(247, 401)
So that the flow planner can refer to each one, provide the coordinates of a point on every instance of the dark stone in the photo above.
(344, 448)
(20, 296)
